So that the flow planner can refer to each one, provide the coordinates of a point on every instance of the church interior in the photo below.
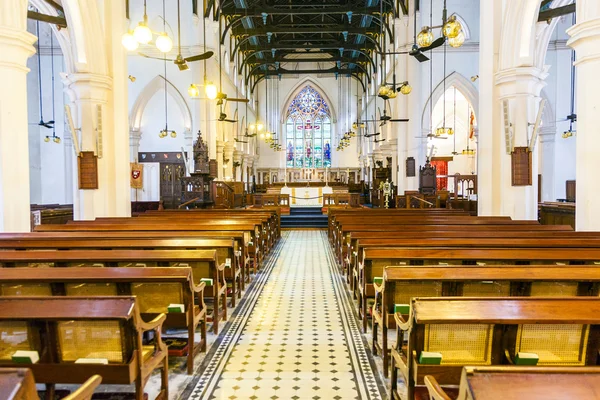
(267, 199)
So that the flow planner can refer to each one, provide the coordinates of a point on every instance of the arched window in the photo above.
(308, 131)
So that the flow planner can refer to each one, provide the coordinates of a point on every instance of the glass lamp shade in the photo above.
(468, 152)
(173, 134)
(142, 33)
(259, 126)
(262, 135)
(383, 91)
(425, 37)
(47, 139)
(211, 90)
(392, 94)
(164, 43)
(268, 135)
(405, 89)
(129, 42)
(451, 28)
(252, 127)
(457, 41)
(56, 139)
(193, 90)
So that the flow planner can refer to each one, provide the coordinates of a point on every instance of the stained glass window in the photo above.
(308, 131)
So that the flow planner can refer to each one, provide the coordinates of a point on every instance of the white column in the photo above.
(134, 144)
(585, 39)
(489, 118)
(220, 146)
(546, 154)
(521, 87)
(15, 48)
(69, 156)
(228, 171)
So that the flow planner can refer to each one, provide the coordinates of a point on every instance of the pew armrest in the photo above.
(435, 390)
(85, 391)
(154, 325)
(401, 323)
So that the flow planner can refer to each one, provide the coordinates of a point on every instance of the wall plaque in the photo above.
(521, 166)
(411, 169)
(87, 164)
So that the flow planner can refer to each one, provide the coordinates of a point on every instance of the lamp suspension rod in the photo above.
(52, 80)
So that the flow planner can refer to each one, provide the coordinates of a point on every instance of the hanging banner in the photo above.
(136, 177)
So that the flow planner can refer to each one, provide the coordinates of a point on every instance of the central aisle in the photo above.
(299, 339)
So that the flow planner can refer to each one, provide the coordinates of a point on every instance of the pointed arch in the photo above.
(154, 86)
(297, 89)
(460, 82)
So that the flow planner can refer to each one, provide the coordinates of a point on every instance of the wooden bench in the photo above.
(241, 238)
(226, 249)
(204, 264)
(492, 331)
(376, 259)
(254, 250)
(18, 384)
(401, 284)
(154, 288)
(531, 383)
(66, 329)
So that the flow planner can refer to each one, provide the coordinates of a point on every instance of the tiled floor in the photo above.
(297, 338)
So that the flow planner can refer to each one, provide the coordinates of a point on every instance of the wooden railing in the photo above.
(224, 195)
(260, 200)
(341, 199)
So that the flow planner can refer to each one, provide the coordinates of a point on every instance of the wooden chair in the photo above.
(76, 336)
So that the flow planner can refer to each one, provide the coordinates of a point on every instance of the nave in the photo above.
(295, 336)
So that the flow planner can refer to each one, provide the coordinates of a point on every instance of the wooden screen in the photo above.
(521, 167)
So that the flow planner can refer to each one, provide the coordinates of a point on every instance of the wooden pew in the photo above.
(254, 248)
(531, 383)
(491, 331)
(241, 238)
(342, 239)
(204, 264)
(66, 329)
(155, 288)
(226, 249)
(377, 258)
(401, 284)
(19, 384)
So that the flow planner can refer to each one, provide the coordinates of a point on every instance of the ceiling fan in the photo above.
(239, 141)
(384, 118)
(180, 61)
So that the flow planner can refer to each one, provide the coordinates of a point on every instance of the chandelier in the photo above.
(451, 29)
(142, 34)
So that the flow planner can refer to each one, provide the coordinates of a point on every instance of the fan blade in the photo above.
(436, 43)
(420, 56)
(200, 57)
(230, 120)
(238, 100)
(383, 123)
(399, 120)
(155, 58)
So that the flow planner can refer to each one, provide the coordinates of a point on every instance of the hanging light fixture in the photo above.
(128, 41)
(425, 37)
(164, 43)
(452, 27)
(457, 41)
(193, 90)
(210, 89)
(405, 88)
(142, 32)
(166, 132)
(444, 130)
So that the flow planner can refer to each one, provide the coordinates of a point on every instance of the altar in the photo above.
(306, 196)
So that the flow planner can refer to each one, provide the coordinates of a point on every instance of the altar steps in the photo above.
(304, 217)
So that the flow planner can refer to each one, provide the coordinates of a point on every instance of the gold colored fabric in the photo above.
(30, 289)
(14, 336)
(560, 345)
(90, 339)
(460, 344)
(554, 289)
(91, 289)
(486, 289)
(405, 291)
(156, 297)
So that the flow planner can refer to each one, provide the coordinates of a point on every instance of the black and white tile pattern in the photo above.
(295, 338)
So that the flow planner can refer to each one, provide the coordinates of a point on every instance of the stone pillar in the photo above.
(112, 198)
(521, 87)
(69, 156)
(134, 144)
(546, 154)
(489, 118)
(220, 169)
(585, 39)
(393, 152)
(16, 46)
(237, 158)
(228, 153)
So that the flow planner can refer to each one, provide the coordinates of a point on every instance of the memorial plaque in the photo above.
(87, 165)
(521, 167)
(411, 169)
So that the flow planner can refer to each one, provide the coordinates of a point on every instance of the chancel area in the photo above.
(266, 199)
